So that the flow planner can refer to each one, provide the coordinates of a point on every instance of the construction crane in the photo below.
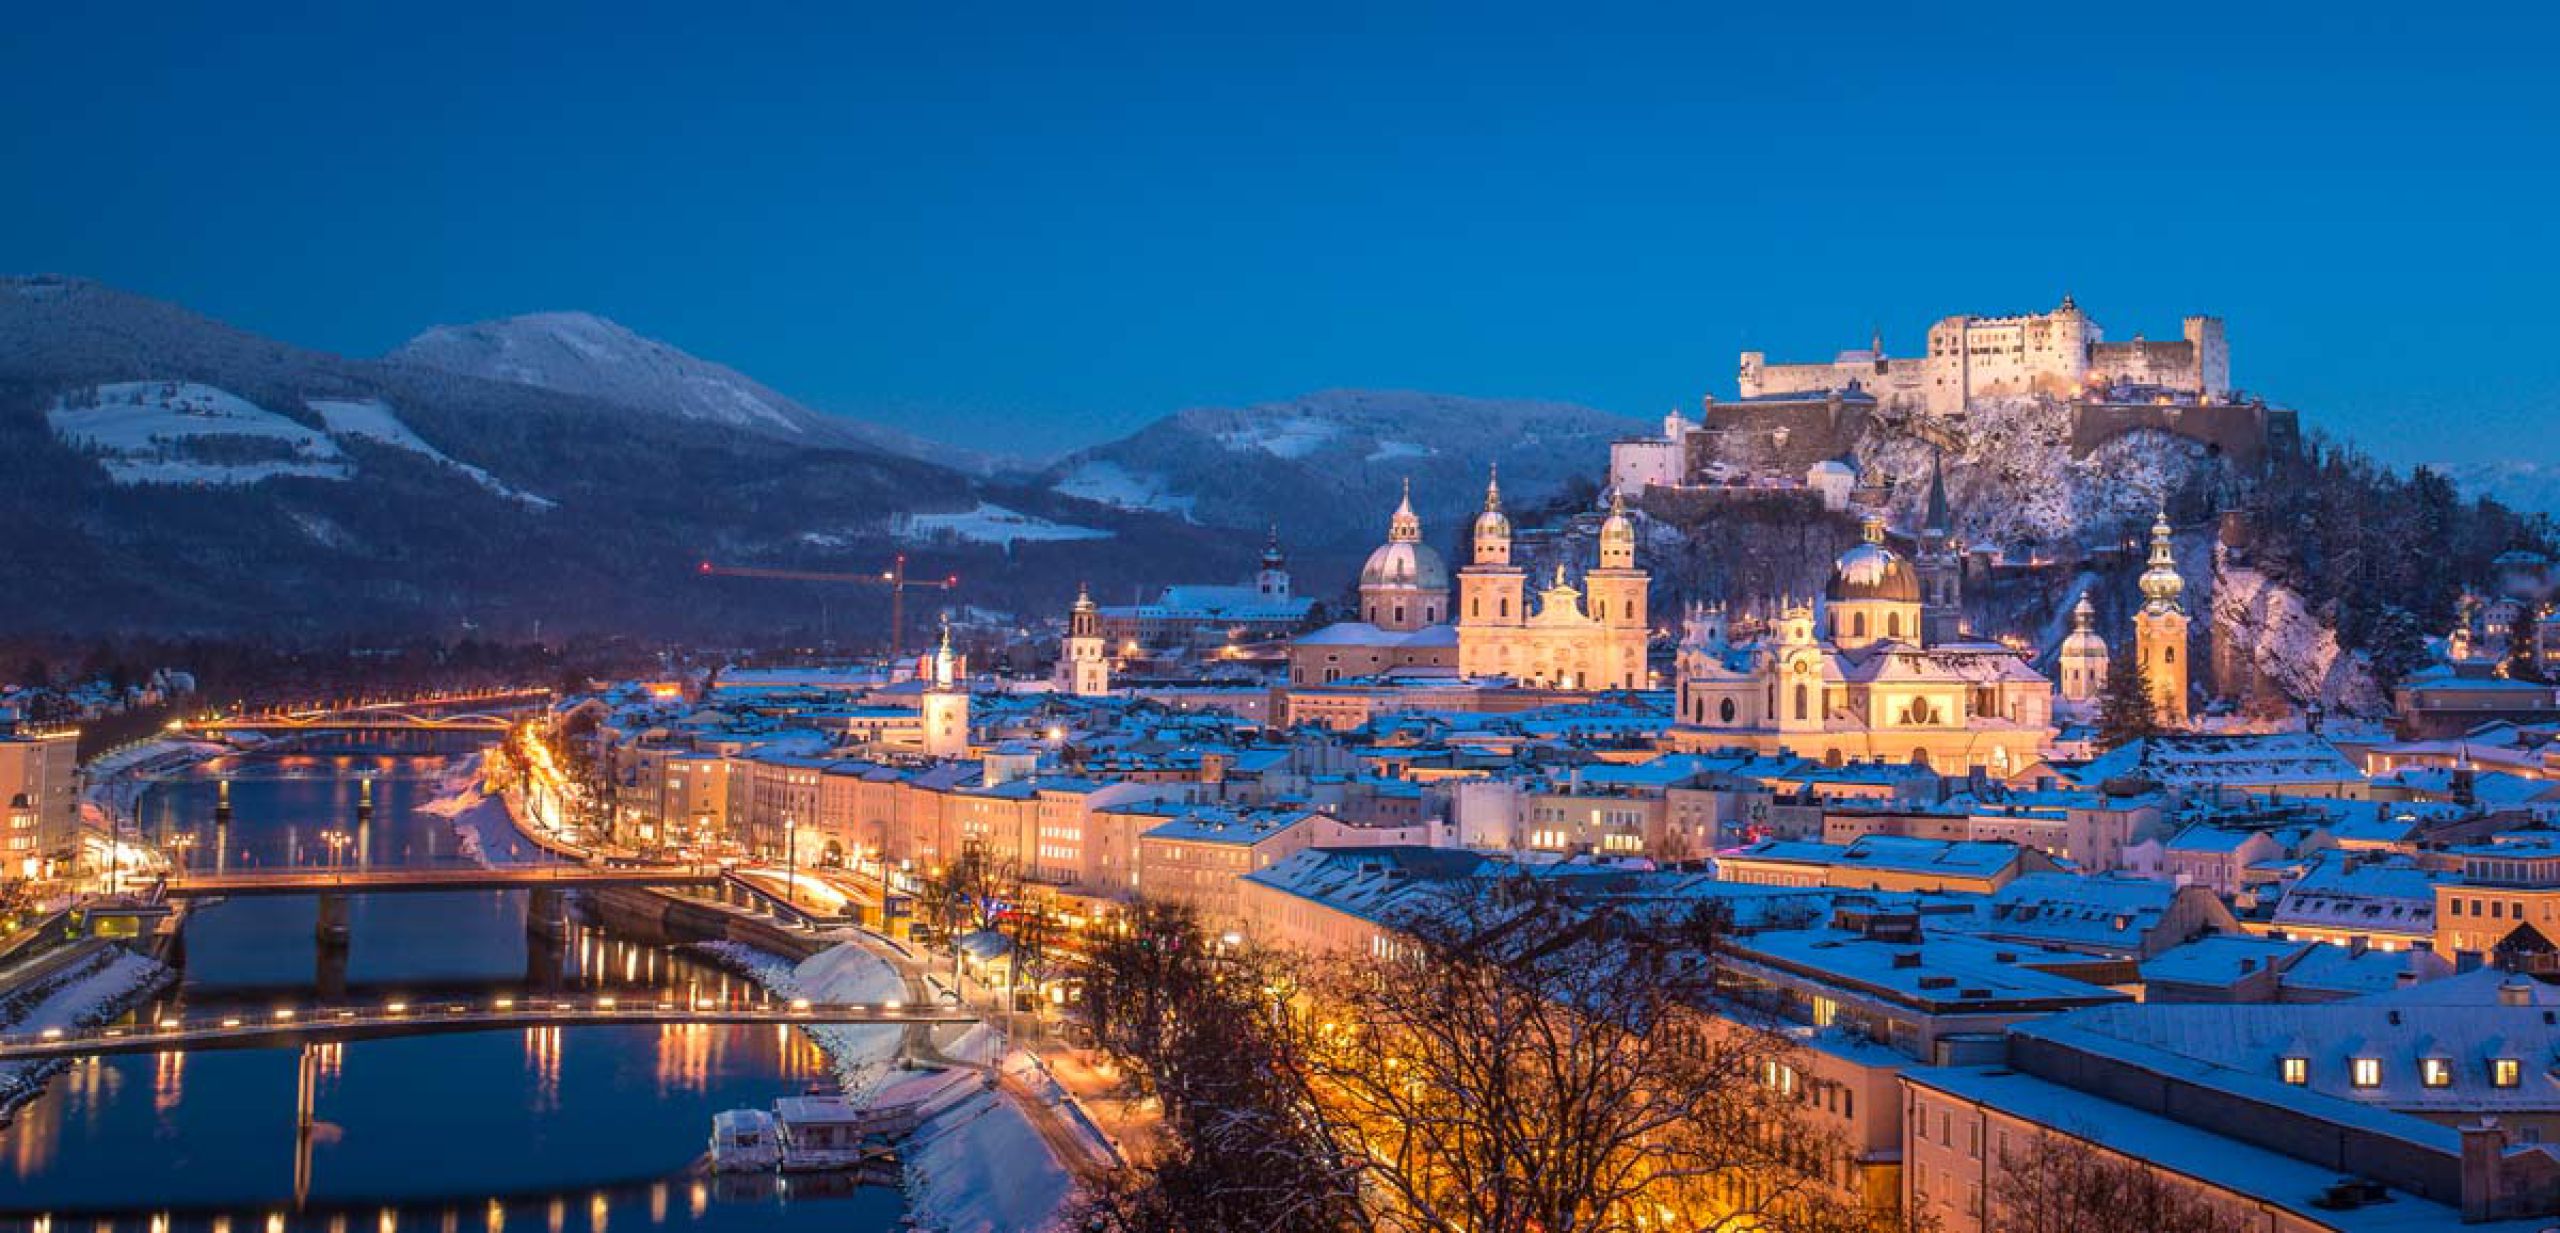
(894, 578)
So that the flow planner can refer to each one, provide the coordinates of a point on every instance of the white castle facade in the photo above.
(2062, 353)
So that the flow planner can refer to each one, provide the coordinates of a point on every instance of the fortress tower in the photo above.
(2160, 628)
(2212, 356)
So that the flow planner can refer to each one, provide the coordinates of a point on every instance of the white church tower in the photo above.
(1082, 669)
(946, 705)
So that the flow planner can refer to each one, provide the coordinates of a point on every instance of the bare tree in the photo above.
(1207, 1033)
(2057, 1184)
(1526, 1063)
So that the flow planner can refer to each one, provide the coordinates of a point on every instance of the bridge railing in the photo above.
(429, 1014)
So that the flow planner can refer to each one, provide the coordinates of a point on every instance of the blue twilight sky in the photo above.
(1036, 225)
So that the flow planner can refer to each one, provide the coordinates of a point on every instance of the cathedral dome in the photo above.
(1404, 560)
(1872, 571)
(1405, 563)
(2084, 642)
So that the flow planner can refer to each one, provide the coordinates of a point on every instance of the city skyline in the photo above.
(1007, 228)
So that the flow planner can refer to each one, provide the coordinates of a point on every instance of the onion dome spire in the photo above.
(2161, 585)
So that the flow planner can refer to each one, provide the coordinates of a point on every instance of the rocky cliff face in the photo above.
(2272, 651)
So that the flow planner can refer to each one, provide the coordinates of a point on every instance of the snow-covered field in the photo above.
(1109, 483)
(184, 432)
(1281, 438)
(374, 420)
(1389, 451)
(180, 432)
(990, 524)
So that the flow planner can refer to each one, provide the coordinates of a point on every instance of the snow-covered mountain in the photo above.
(162, 472)
(1326, 468)
(2526, 484)
(587, 355)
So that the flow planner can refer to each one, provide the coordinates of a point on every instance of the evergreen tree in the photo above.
(2523, 663)
(2125, 708)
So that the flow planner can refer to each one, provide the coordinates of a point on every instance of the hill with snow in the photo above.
(1326, 468)
(590, 356)
(162, 472)
(2532, 485)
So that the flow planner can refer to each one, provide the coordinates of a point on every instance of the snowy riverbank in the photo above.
(976, 1165)
(118, 778)
(88, 995)
(484, 824)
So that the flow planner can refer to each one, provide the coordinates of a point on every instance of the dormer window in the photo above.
(2505, 1072)
(2296, 1070)
(2365, 1072)
(2435, 1072)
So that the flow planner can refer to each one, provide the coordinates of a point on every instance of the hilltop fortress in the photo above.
(2062, 354)
(1799, 425)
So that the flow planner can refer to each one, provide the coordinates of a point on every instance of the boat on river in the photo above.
(815, 1133)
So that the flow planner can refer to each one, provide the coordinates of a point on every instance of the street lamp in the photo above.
(181, 844)
(337, 841)
(791, 860)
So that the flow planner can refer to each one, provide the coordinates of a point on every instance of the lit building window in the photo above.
(2505, 1072)
(2297, 1070)
(2367, 1072)
(2435, 1072)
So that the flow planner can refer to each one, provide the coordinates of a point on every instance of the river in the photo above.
(544, 1130)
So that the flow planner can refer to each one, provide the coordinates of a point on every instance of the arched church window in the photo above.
(1503, 607)
(1725, 710)
(1893, 625)
(2168, 655)
(1804, 707)
(1858, 624)
(1399, 614)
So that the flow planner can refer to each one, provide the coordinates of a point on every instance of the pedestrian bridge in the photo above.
(393, 880)
(323, 1024)
(489, 712)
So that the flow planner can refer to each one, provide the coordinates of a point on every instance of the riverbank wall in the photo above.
(668, 917)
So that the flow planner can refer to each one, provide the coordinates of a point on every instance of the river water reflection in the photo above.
(551, 1129)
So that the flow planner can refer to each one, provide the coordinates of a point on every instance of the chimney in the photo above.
(2484, 1153)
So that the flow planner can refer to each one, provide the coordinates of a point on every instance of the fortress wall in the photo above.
(2170, 363)
(1816, 429)
(2240, 432)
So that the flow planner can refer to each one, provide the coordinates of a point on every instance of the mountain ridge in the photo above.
(579, 352)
